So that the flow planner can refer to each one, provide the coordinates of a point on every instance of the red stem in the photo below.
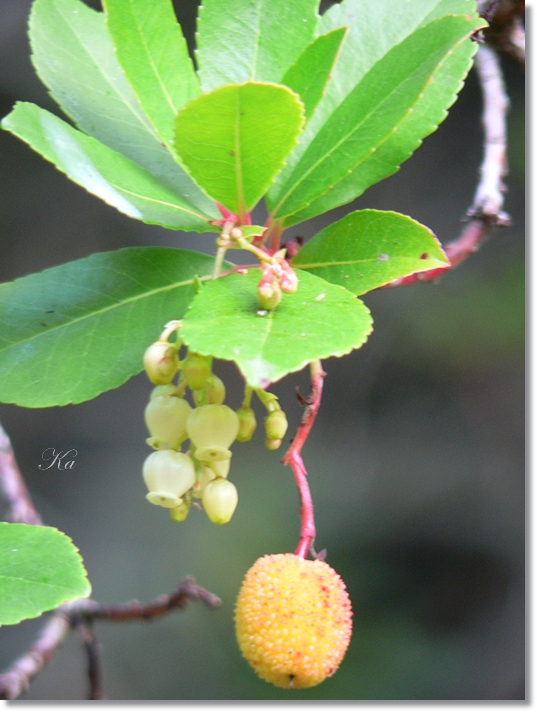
(293, 458)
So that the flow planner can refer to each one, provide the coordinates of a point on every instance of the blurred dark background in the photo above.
(416, 460)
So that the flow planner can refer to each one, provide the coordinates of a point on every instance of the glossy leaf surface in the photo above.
(104, 172)
(239, 40)
(369, 248)
(375, 117)
(74, 331)
(309, 75)
(234, 140)
(154, 55)
(74, 57)
(317, 321)
(40, 569)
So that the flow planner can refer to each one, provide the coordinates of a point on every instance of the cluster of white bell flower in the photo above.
(175, 478)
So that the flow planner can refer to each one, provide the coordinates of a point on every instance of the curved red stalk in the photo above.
(293, 458)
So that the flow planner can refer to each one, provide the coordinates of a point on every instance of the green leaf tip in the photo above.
(40, 569)
(370, 248)
(234, 140)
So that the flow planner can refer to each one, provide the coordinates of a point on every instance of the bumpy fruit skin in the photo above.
(293, 620)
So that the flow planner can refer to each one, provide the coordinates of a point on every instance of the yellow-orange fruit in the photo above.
(293, 620)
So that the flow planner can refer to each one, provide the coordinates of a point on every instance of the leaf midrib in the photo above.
(149, 56)
(35, 582)
(100, 312)
(314, 265)
(145, 124)
(364, 156)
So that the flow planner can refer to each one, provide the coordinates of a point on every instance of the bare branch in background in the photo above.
(506, 32)
(488, 200)
(17, 679)
(80, 614)
(21, 508)
(93, 653)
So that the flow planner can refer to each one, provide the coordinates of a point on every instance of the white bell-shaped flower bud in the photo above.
(219, 500)
(166, 417)
(167, 390)
(161, 362)
(208, 473)
(168, 476)
(212, 429)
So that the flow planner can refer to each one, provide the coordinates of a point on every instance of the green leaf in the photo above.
(104, 172)
(152, 50)
(234, 140)
(240, 40)
(369, 248)
(40, 569)
(75, 58)
(309, 75)
(375, 27)
(317, 321)
(74, 331)
(372, 132)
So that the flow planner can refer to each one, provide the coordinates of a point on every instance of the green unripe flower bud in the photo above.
(166, 417)
(212, 429)
(272, 444)
(196, 370)
(276, 425)
(161, 362)
(219, 500)
(168, 476)
(269, 295)
(247, 424)
(214, 392)
(180, 513)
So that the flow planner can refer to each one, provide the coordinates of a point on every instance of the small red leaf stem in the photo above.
(293, 458)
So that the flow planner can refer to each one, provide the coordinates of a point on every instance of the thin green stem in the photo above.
(219, 261)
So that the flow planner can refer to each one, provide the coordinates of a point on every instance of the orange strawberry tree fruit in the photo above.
(283, 105)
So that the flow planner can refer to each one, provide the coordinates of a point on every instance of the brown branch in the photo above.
(486, 211)
(17, 679)
(21, 508)
(293, 458)
(506, 31)
(93, 653)
(134, 610)
(80, 614)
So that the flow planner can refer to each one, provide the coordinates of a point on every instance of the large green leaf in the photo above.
(369, 248)
(309, 75)
(375, 27)
(75, 58)
(74, 331)
(317, 321)
(40, 568)
(152, 50)
(240, 40)
(373, 131)
(235, 140)
(104, 172)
